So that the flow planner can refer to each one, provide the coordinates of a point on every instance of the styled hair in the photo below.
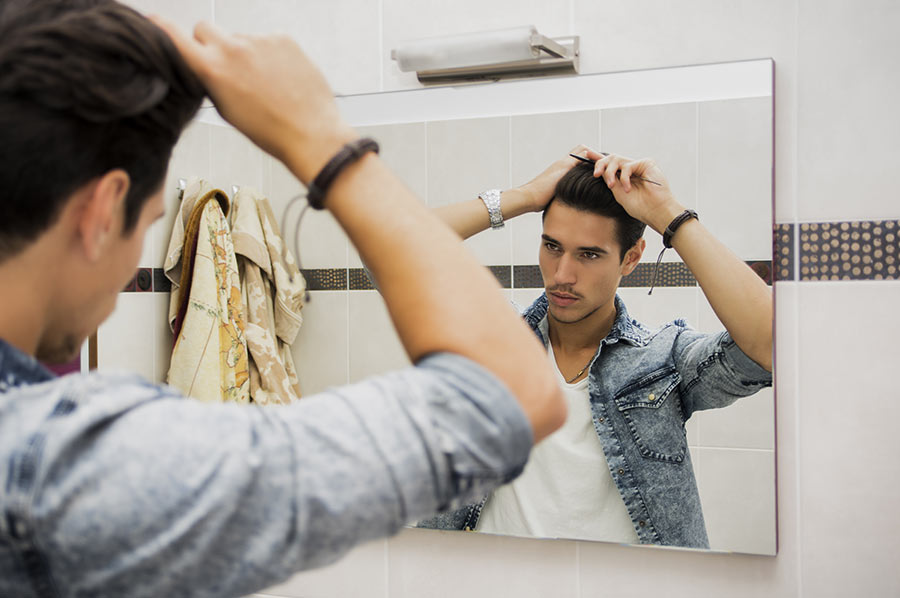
(86, 86)
(579, 189)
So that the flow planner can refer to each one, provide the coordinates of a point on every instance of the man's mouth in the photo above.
(561, 299)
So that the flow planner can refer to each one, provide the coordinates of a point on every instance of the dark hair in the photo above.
(86, 86)
(579, 189)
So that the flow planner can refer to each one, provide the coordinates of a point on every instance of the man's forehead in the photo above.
(571, 226)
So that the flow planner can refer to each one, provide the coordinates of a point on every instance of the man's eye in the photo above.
(590, 255)
(551, 246)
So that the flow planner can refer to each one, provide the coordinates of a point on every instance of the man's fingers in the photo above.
(625, 175)
(190, 50)
(207, 34)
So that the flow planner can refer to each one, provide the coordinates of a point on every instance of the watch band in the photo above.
(491, 199)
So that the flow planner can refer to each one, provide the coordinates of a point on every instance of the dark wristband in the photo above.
(673, 226)
(350, 153)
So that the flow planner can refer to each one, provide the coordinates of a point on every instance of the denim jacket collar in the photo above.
(624, 328)
(17, 368)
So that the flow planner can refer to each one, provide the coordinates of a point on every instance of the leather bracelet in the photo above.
(673, 226)
(350, 153)
(667, 240)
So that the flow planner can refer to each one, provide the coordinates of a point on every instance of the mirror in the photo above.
(710, 129)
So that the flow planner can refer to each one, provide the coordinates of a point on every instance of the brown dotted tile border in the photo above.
(783, 252)
(810, 251)
(861, 250)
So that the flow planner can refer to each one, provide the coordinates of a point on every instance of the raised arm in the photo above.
(740, 298)
(470, 217)
(439, 297)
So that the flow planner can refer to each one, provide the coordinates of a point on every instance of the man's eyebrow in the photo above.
(592, 248)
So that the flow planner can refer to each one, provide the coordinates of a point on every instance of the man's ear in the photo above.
(633, 257)
(103, 212)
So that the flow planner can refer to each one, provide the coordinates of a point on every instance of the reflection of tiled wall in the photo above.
(348, 335)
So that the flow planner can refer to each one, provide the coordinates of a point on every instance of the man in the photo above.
(116, 487)
(619, 469)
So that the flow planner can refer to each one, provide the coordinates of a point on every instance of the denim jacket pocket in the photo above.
(652, 411)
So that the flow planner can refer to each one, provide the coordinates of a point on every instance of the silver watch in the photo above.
(491, 199)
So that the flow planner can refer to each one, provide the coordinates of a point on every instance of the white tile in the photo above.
(235, 160)
(374, 345)
(341, 37)
(444, 564)
(406, 20)
(656, 33)
(523, 298)
(190, 157)
(319, 242)
(126, 340)
(747, 423)
(321, 350)
(164, 340)
(848, 95)
(734, 165)
(184, 13)
(536, 141)
(849, 482)
(737, 489)
(638, 572)
(466, 157)
(404, 149)
(663, 306)
(666, 133)
(362, 572)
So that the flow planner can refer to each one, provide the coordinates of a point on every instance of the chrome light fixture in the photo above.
(488, 55)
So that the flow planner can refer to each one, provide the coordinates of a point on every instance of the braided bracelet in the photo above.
(350, 153)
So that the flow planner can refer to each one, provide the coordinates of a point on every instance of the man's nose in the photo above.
(565, 270)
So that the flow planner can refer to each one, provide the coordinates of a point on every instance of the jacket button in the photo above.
(652, 397)
(621, 471)
(600, 419)
(642, 523)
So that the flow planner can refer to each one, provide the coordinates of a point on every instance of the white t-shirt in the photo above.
(566, 490)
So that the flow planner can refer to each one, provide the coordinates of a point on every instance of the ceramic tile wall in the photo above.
(835, 98)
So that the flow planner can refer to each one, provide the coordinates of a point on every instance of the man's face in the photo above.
(92, 297)
(580, 260)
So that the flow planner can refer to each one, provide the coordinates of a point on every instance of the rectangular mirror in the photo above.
(710, 129)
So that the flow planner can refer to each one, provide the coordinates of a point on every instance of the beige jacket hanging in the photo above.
(272, 290)
(210, 360)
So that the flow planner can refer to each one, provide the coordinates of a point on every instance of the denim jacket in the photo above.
(115, 487)
(643, 387)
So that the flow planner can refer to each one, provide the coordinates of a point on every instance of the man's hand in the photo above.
(540, 189)
(269, 90)
(654, 205)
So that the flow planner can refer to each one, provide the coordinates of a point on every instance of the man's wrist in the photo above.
(305, 159)
(662, 217)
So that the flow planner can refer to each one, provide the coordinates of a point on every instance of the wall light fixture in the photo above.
(488, 55)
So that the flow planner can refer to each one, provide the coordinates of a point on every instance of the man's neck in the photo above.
(584, 334)
(24, 303)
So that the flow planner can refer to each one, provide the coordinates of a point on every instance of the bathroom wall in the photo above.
(835, 157)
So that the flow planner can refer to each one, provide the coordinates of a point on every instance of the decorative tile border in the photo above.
(867, 250)
(783, 251)
(811, 251)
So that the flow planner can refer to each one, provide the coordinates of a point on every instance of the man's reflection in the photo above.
(619, 470)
